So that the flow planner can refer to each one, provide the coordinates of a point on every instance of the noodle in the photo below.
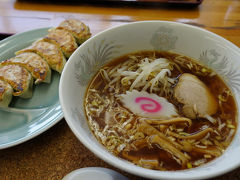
(169, 140)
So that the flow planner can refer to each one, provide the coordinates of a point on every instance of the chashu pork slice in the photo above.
(78, 29)
(49, 51)
(197, 99)
(6, 92)
(64, 39)
(19, 78)
(35, 64)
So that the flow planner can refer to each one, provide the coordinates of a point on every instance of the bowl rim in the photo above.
(126, 167)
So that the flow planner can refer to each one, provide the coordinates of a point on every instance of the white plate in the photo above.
(27, 118)
(94, 173)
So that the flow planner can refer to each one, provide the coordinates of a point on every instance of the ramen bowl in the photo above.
(210, 49)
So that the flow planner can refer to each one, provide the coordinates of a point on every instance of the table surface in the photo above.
(57, 151)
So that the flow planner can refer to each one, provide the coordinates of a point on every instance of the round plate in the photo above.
(27, 118)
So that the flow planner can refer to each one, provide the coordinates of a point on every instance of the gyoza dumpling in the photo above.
(19, 78)
(6, 92)
(78, 29)
(64, 40)
(49, 51)
(35, 64)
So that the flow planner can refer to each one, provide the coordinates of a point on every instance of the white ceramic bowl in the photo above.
(211, 49)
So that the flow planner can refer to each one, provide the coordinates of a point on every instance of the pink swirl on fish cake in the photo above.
(150, 108)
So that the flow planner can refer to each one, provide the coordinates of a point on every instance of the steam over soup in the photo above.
(161, 110)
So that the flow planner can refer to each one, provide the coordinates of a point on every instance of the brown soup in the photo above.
(174, 142)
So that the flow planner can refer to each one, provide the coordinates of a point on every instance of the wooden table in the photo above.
(57, 151)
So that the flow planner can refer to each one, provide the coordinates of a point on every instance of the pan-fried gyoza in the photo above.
(37, 60)
(161, 110)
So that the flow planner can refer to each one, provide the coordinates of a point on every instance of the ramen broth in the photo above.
(171, 141)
